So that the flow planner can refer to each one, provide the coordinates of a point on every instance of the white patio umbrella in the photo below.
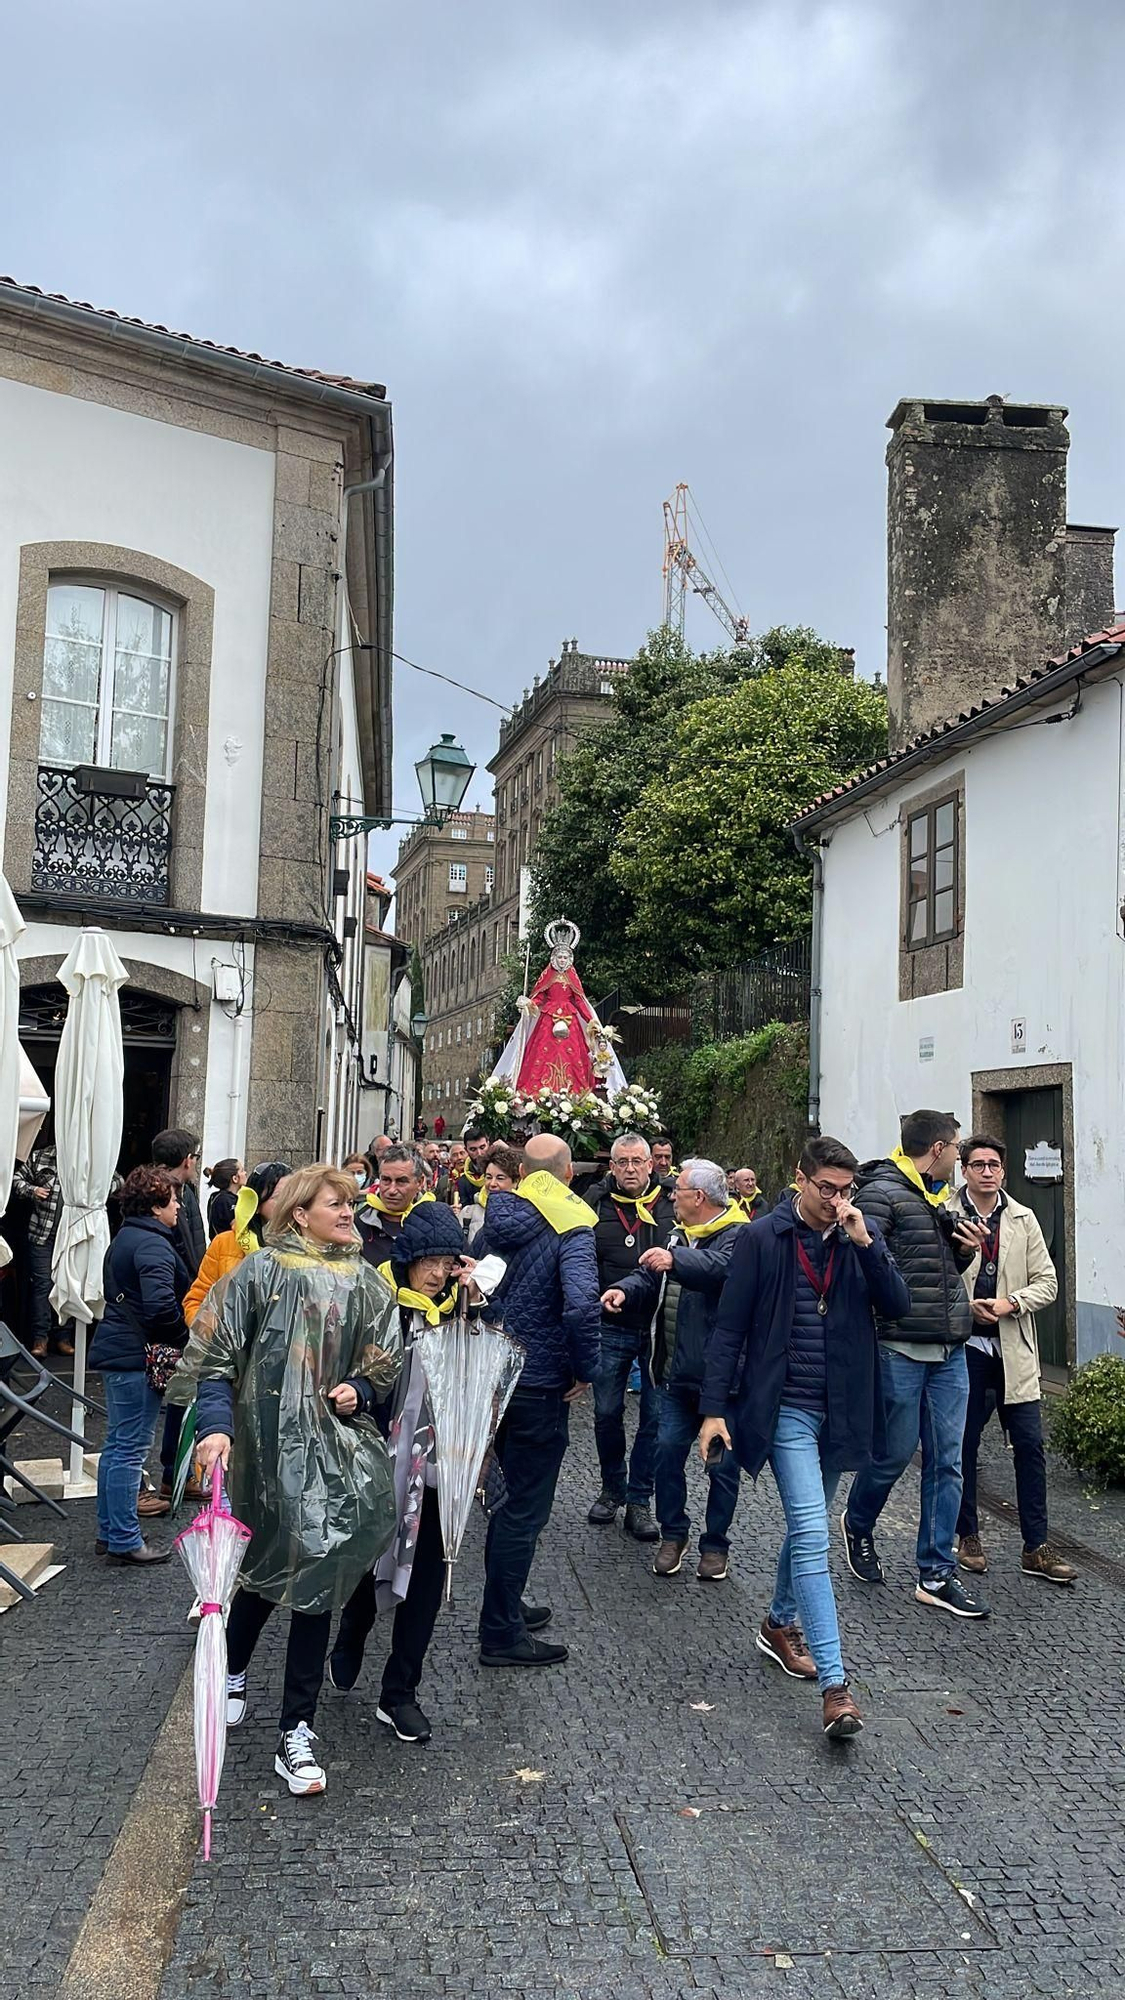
(12, 927)
(89, 1077)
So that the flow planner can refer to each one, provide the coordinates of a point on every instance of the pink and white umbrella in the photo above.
(212, 1549)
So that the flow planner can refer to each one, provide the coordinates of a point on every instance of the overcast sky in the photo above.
(594, 247)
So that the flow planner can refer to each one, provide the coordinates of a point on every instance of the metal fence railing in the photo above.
(774, 986)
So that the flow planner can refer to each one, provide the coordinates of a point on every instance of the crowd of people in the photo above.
(865, 1313)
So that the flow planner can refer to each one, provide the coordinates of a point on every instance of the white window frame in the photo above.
(112, 592)
(458, 878)
(458, 833)
(489, 878)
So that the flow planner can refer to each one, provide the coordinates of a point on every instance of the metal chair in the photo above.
(24, 1408)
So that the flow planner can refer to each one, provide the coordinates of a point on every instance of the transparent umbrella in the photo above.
(471, 1370)
(212, 1549)
(11, 1055)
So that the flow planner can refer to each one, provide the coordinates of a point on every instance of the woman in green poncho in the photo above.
(291, 1353)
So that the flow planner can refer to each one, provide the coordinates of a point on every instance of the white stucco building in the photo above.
(969, 891)
(195, 633)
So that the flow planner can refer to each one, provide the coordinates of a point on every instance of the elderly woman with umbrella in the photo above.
(291, 1352)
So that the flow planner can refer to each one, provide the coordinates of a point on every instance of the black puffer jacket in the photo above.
(920, 1243)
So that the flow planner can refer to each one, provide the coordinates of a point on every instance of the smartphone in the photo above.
(715, 1451)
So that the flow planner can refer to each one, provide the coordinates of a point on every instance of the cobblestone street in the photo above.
(659, 1818)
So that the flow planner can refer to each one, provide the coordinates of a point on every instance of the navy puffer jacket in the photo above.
(919, 1237)
(548, 1297)
(144, 1268)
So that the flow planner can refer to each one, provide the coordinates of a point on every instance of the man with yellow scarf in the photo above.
(548, 1301)
(922, 1366)
(403, 1182)
(681, 1286)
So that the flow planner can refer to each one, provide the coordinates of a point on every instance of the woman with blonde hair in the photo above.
(291, 1352)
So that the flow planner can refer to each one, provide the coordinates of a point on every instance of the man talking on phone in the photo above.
(791, 1381)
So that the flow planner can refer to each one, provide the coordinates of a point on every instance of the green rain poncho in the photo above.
(315, 1490)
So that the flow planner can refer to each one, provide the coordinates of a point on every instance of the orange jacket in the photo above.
(224, 1253)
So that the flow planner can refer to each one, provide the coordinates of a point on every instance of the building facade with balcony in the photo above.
(195, 631)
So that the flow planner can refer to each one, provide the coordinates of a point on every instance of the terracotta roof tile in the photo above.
(374, 389)
(1113, 636)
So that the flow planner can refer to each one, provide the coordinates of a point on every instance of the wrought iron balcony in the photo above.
(102, 833)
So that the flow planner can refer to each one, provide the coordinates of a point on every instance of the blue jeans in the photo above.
(621, 1346)
(132, 1408)
(924, 1402)
(679, 1427)
(803, 1584)
(530, 1444)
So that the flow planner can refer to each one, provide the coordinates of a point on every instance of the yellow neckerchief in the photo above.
(694, 1230)
(638, 1201)
(474, 1180)
(432, 1310)
(937, 1197)
(245, 1209)
(555, 1202)
(746, 1203)
(375, 1200)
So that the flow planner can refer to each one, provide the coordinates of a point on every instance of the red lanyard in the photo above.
(631, 1227)
(819, 1284)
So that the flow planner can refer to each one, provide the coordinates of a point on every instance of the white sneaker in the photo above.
(236, 1700)
(296, 1763)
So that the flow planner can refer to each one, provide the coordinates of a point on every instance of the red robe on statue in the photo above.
(560, 1060)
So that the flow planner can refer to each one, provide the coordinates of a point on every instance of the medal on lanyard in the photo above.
(627, 1226)
(820, 1285)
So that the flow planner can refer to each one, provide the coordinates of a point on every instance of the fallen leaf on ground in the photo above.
(689, 1812)
(528, 1776)
(703, 1707)
(782, 1959)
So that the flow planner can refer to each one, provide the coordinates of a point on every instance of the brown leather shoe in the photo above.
(150, 1504)
(668, 1558)
(145, 1554)
(713, 1564)
(786, 1645)
(1045, 1563)
(971, 1556)
(841, 1716)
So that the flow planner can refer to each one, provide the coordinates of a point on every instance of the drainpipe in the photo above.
(812, 852)
(234, 1109)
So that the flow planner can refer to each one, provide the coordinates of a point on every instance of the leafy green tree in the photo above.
(705, 862)
(584, 851)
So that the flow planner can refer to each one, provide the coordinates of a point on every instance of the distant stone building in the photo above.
(440, 872)
(464, 953)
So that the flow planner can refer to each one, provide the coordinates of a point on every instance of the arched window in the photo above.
(108, 665)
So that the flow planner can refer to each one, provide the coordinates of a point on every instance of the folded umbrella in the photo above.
(212, 1549)
(471, 1370)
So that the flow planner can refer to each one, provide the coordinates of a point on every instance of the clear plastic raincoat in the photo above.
(316, 1490)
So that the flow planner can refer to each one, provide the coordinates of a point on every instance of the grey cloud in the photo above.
(595, 246)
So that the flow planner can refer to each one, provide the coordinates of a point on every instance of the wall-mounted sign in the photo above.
(925, 1048)
(1019, 1038)
(1043, 1162)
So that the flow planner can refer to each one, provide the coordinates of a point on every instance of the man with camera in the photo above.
(925, 1379)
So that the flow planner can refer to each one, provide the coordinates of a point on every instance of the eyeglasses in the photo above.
(984, 1167)
(829, 1192)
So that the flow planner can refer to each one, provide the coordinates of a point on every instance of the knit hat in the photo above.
(430, 1230)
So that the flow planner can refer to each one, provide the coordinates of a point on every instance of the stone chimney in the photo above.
(976, 553)
(1089, 582)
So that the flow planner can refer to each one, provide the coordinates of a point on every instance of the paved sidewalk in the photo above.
(659, 1818)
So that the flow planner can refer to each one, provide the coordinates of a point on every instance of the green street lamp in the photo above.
(418, 1024)
(444, 776)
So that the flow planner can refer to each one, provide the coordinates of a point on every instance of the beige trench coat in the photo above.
(1027, 1276)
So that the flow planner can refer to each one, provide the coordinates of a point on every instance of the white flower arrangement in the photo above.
(637, 1109)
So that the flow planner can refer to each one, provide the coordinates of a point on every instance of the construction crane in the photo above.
(683, 572)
